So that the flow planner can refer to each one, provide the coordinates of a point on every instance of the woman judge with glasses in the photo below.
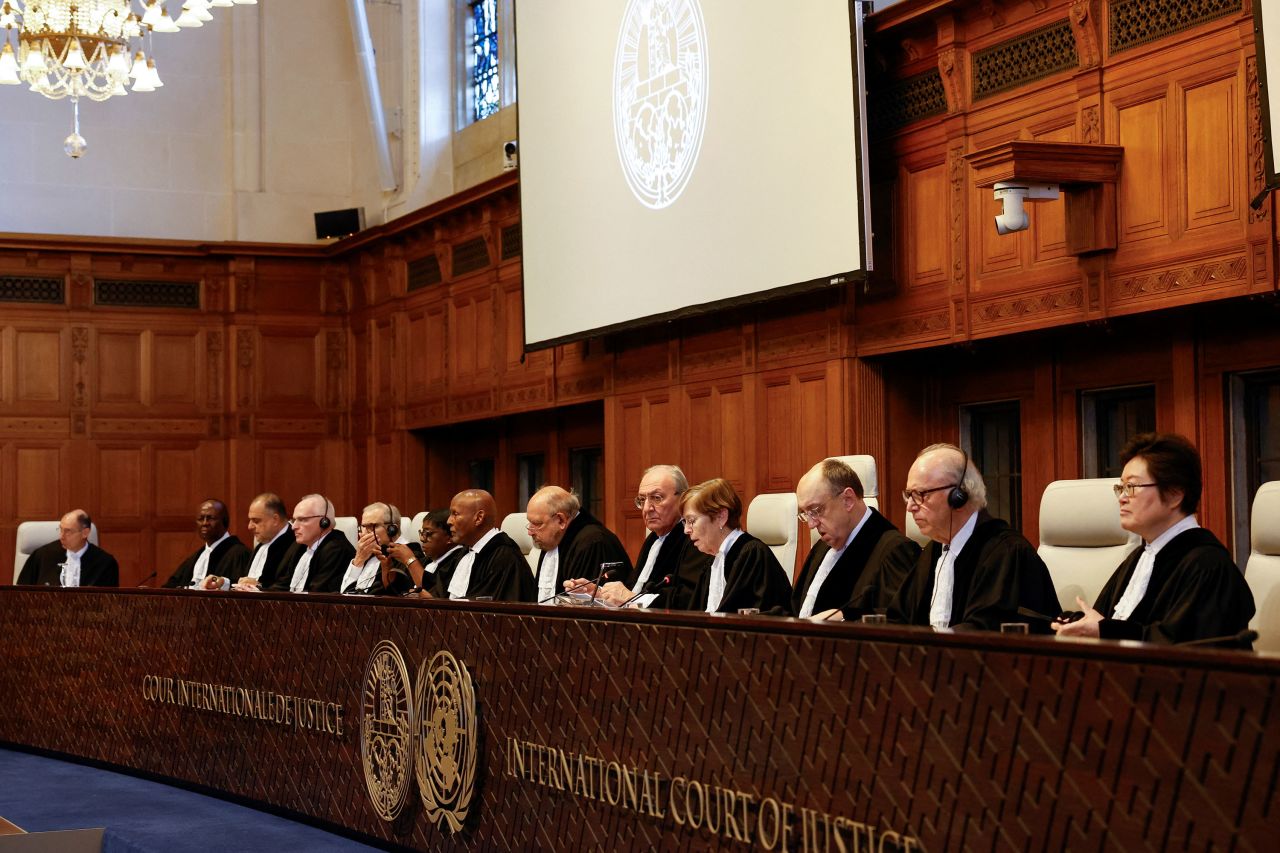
(743, 574)
(1181, 584)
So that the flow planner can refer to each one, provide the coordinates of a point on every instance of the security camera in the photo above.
(1012, 195)
(509, 155)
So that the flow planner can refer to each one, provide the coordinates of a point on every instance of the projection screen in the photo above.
(681, 155)
(1266, 19)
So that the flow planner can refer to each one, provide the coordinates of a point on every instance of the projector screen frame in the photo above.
(1270, 178)
(858, 10)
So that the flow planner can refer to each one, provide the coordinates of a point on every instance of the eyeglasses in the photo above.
(1127, 489)
(690, 520)
(373, 528)
(303, 518)
(654, 498)
(917, 496)
(813, 514)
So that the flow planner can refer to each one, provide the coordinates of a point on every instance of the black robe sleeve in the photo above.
(182, 575)
(890, 563)
(680, 560)
(42, 564)
(328, 563)
(586, 546)
(98, 568)
(437, 582)
(1195, 593)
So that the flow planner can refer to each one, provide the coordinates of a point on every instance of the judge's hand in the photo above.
(401, 553)
(404, 556)
(614, 592)
(1086, 627)
(246, 584)
(211, 582)
(835, 614)
(583, 585)
(366, 546)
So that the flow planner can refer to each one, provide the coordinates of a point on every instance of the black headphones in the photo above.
(325, 521)
(393, 522)
(959, 495)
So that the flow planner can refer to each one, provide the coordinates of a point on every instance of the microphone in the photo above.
(145, 580)
(650, 586)
(1245, 637)
(606, 575)
(605, 569)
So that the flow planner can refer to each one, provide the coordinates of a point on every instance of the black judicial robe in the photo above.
(753, 577)
(586, 545)
(97, 567)
(401, 580)
(996, 573)
(229, 559)
(867, 574)
(500, 570)
(437, 582)
(1196, 593)
(328, 564)
(680, 559)
(276, 552)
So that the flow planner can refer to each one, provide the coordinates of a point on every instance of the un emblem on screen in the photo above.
(660, 96)
(429, 734)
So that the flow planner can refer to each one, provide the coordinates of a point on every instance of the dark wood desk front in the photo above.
(657, 730)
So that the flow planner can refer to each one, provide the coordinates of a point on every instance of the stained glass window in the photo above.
(485, 85)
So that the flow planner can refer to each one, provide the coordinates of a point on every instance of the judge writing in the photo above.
(978, 570)
(222, 556)
(574, 544)
(1181, 583)
(273, 537)
(71, 560)
(861, 558)
(667, 554)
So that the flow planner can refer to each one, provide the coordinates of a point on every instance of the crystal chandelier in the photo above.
(89, 48)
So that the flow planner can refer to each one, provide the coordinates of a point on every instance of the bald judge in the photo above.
(978, 571)
(574, 544)
(492, 565)
(861, 559)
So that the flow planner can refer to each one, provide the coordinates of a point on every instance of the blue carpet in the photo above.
(41, 794)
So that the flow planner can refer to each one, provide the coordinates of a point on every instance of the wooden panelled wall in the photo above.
(323, 370)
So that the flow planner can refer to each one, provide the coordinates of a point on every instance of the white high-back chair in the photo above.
(1262, 572)
(912, 531)
(771, 518)
(516, 525)
(349, 525)
(1081, 540)
(410, 527)
(865, 467)
(37, 534)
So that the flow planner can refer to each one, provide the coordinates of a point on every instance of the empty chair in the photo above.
(1081, 540)
(772, 519)
(865, 467)
(36, 534)
(516, 525)
(1262, 572)
(350, 527)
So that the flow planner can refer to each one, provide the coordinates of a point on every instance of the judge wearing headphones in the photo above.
(372, 571)
(978, 570)
(322, 553)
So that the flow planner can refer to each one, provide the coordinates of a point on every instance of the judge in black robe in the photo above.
(753, 578)
(1195, 593)
(230, 558)
(679, 560)
(277, 550)
(500, 572)
(329, 563)
(996, 572)
(582, 544)
(865, 577)
(44, 566)
(392, 567)
(437, 574)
